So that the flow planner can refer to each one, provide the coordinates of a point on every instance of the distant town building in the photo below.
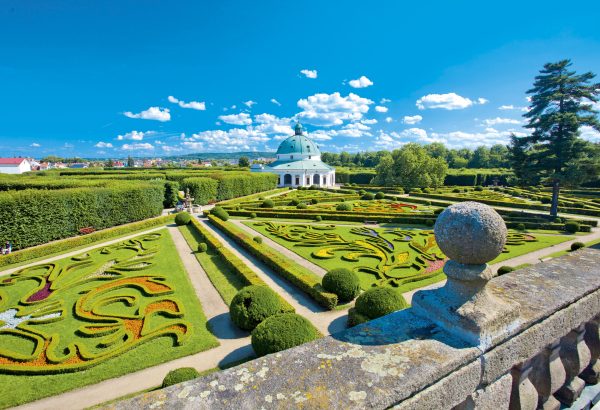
(14, 165)
(298, 163)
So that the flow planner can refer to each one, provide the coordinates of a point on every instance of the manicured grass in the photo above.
(115, 293)
(567, 251)
(225, 280)
(379, 256)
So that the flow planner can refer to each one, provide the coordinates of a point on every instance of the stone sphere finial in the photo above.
(470, 233)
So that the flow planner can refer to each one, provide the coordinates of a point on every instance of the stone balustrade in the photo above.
(526, 340)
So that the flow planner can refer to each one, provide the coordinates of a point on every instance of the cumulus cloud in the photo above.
(271, 124)
(309, 73)
(274, 101)
(361, 82)
(589, 133)
(152, 113)
(381, 108)
(482, 101)
(512, 107)
(236, 119)
(249, 103)
(102, 144)
(137, 146)
(449, 101)
(389, 119)
(461, 139)
(134, 135)
(490, 122)
(35, 145)
(369, 121)
(235, 139)
(384, 101)
(332, 109)
(194, 105)
(412, 119)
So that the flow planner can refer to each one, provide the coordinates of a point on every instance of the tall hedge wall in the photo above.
(33, 217)
(203, 190)
(345, 177)
(240, 184)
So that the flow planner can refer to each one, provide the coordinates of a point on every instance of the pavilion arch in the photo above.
(317, 179)
(287, 179)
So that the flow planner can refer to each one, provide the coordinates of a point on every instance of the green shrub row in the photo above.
(345, 177)
(305, 280)
(71, 243)
(33, 217)
(222, 186)
(203, 190)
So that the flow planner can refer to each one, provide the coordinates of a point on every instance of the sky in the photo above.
(158, 78)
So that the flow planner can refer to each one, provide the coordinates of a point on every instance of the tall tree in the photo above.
(130, 162)
(110, 163)
(561, 103)
(243, 162)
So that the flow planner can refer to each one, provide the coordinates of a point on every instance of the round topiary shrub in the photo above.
(429, 222)
(180, 375)
(318, 218)
(577, 245)
(438, 211)
(314, 201)
(520, 227)
(368, 196)
(456, 191)
(202, 247)
(257, 239)
(282, 332)
(343, 282)
(253, 215)
(416, 191)
(362, 192)
(344, 207)
(502, 270)
(546, 200)
(267, 203)
(379, 195)
(380, 301)
(253, 304)
(301, 205)
(220, 213)
(294, 202)
(572, 227)
(183, 218)
(557, 220)
(478, 188)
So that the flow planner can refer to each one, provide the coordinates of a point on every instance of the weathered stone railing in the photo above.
(525, 340)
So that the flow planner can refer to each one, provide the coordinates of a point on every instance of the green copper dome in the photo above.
(298, 144)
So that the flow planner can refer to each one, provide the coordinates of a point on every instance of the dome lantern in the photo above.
(298, 129)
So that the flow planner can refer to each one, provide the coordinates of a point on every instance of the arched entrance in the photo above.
(316, 179)
(287, 179)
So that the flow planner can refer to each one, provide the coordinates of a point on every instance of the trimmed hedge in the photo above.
(70, 243)
(253, 304)
(577, 245)
(33, 217)
(282, 332)
(374, 303)
(182, 218)
(343, 282)
(304, 279)
(572, 227)
(203, 190)
(220, 213)
(180, 375)
(171, 190)
(240, 184)
(202, 247)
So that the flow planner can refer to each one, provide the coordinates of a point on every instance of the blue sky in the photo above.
(156, 78)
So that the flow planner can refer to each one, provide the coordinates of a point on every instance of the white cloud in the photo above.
(102, 144)
(513, 107)
(152, 113)
(384, 101)
(389, 119)
(134, 135)
(167, 148)
(482, 101)
(236, 119)
(395, 139)
(450, 101)
(235, 139)
(249, 103)
(194, 105)
(461, 139)
(332, 109)
(274, 101)
(35, 145)
(495, 121)
(137, 146)
(309, 73)
(271, 124)
(590, 134)
(412, 119)
(369, 121)
(361, 82)
(381, 108)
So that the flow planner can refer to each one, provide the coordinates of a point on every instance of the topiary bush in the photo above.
(521, 227)
(502, 270)
(314, 201)
(429, 222)
(343, 282)
(379, 195)
(478, 188)
(572, 227)
(183, 218)
(577, 245)
(318, 218)
(344, 207)
(267, 203)
(202, 247)
(294, 202)
(368, 196)
(258, 239)
(456, 191)
(180, 375)
(253, 304)
(416, 191)
(220, 213)
(374, 303)
(281, 332)
(253, 215)
(301, 205)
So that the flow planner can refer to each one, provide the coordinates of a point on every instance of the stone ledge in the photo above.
(401, 356)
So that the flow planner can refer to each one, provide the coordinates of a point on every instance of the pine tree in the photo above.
(130, 162)
(561, 103)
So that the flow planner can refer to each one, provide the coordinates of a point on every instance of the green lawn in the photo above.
(565, 252)
(404, 258)
(225, 280)
(109, 312)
